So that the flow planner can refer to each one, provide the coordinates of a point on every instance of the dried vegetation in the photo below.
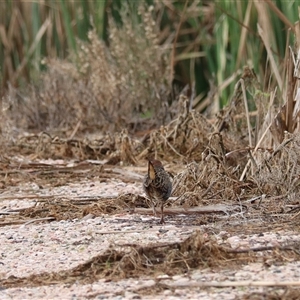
(100, 88)
(113, 104)
(125, 261)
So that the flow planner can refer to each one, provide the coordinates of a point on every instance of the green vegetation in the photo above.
(209, 42)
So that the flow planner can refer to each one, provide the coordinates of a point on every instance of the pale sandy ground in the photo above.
(38, 247)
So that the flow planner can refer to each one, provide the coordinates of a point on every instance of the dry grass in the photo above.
(135, 261)
(101, 88)
(111, 104)
(132, 260)
(250, 149)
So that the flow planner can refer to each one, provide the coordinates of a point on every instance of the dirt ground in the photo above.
(84, 230)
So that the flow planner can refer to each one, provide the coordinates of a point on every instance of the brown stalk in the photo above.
(281, 16)
(290, 92)
(244, 33)
(34, 44)
(266, 42)
(173, 53)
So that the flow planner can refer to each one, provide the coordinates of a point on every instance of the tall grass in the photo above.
(227, 33)
(211, 40)
(32, 30)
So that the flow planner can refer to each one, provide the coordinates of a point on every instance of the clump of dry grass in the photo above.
(104, 87)
(278, 172)
(241, 157)
(134, 260)
(185, 137)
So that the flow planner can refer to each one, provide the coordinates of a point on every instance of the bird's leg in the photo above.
(153, 208)
(162, 221)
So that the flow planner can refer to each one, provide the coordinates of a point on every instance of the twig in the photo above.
(75, 130)
(261, 139)
(40, 198)
(38, 220)
(192, 210)
(280, 147)
(231, 284)
(126, 231)
(296, 215)
(12, 223)
(292, 247)
(8, 213)
(209, 188)
(255, 149)
(24, 222)
(254, 199)
(128, 174)
(246, 110)
(28, 196)
(167, 142)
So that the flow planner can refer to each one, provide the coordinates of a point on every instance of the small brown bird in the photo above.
(157, 185)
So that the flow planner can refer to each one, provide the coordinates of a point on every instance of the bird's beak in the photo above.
(151, 172)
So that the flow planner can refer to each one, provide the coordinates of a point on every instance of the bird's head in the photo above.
(153, 164)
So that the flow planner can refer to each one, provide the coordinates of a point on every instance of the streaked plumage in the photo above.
(157, 185)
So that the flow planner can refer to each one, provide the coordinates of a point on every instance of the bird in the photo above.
(157, 185)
